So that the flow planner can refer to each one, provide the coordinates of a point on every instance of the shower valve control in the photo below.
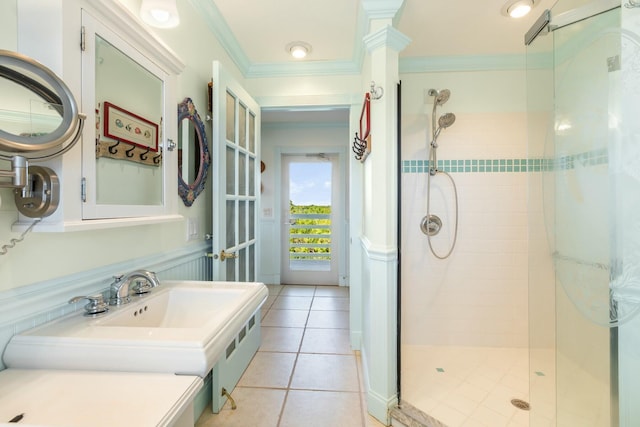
(431, 225)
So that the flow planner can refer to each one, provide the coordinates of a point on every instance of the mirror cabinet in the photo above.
(125, 78)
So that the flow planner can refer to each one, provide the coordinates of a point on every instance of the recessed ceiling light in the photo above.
(160, 13)
(518, 8)
(298, 49)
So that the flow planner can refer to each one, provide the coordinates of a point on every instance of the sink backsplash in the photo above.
(32, 305)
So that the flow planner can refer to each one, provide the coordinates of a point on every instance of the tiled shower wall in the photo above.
(477, 296)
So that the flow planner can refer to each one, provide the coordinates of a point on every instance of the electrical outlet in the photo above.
(192, 229)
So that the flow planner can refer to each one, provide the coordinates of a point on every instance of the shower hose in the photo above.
(434, 171)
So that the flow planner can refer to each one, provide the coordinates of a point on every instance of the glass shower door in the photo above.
(583, 280)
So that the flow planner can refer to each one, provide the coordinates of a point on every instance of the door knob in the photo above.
(227, 255)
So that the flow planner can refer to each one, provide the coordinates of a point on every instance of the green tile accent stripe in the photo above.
(591, 158)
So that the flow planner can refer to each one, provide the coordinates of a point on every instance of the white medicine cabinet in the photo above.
(123, 172)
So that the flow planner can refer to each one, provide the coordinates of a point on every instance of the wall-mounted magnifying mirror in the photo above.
(193, 153)
(38, 112)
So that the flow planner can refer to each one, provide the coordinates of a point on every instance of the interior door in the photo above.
(236, 146)
(311, 217)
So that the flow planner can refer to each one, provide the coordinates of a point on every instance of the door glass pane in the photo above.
(231, 269)
(242, 222)
(252, 176)
(252, 133)
(231, 221)
(252, 263)
(310, 216)
(242, 173)
(231, 117)
(242, 259)
(252, 219)
(231, 170)
(242, 127)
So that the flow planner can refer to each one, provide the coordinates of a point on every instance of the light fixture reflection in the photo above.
(160, 13)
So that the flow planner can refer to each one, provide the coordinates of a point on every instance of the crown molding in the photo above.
(131, 27)
(387, 36)
(311, 68)
(219, 27)
(382, 9)
(463, 63)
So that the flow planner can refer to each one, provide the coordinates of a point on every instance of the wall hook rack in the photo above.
(376, 91)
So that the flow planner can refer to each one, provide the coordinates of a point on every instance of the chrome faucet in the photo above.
(120, 287)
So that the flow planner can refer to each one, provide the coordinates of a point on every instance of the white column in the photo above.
(380, 199)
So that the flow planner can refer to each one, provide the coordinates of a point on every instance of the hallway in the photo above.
(305, 373)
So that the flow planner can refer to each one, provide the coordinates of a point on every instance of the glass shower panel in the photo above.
(584, 86)
(541, 293)
(573, 88)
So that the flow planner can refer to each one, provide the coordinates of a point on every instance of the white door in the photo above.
(236, 146)
(311, 215)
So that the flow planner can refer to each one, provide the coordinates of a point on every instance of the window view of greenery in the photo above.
(310, 236)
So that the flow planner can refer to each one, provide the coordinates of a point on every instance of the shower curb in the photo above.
(410, 416)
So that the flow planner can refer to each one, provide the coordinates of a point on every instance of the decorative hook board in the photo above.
(362, 144)
(124, 151)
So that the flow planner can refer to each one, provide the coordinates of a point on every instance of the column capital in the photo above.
(387, 36)
(382, 9)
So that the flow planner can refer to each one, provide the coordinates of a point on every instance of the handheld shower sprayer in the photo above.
(444, 122)
(431, 224)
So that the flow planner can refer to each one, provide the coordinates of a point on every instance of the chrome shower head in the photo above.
(440, 96)
(446, 120)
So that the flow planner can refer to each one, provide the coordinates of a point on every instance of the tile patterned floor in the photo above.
(305, 373)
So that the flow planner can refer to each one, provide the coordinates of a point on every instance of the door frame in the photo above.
(331, 276)
(343, 218)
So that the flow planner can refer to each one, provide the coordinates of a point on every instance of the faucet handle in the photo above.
(96, 304)
(142, 286)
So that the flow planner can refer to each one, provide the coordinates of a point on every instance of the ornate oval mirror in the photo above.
(35, 126)
(193, 153)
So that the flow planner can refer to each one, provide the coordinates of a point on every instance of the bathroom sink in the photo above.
(182, 327)
(180, 307)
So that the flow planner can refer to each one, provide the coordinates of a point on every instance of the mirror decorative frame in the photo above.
(189, 191)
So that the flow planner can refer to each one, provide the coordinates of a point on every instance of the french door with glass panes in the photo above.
(236, 146)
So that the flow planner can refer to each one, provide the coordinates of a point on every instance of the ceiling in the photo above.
(257, 32)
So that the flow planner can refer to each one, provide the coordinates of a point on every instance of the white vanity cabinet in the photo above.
(82, 42)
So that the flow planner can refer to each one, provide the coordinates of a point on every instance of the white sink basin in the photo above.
(181, 327)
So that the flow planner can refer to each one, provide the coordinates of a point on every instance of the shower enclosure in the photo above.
(583, 105)
(534, 318)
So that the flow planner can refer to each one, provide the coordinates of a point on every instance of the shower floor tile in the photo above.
(467, 386)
